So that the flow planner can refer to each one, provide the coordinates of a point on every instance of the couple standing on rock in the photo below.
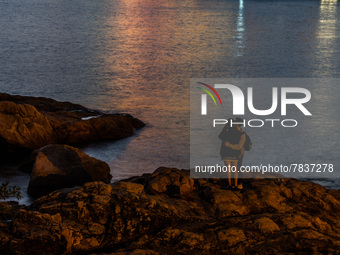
(234, 142)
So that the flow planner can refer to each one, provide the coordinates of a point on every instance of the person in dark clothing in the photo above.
(224, 133)
(232, 149)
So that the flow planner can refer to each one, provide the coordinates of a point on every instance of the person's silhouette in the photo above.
(232, 149)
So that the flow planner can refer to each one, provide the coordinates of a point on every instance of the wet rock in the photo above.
(58, 166)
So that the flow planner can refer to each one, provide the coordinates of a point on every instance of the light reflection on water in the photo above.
(327, 34)
(137, 57)
(240, 40)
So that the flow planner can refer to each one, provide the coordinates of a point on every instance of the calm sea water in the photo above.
(137, 57)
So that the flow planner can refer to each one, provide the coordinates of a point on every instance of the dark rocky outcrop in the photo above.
(9, 209)
(28, 123)
(169, 213)
(22, 126)
(58, 166)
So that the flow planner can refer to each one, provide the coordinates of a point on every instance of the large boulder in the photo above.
(60, 166)
(22, 126)
(28, 123)
(135, 215)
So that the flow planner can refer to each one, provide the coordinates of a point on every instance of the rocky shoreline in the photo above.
(44, 129)
(29, 123)
(167, 212)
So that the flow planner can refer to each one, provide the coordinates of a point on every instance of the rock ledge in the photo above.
(28, 123)
(167, 212)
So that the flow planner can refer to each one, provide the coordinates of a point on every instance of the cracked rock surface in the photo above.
(167, 212)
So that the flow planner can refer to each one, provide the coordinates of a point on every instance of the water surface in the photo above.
(137, 57)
